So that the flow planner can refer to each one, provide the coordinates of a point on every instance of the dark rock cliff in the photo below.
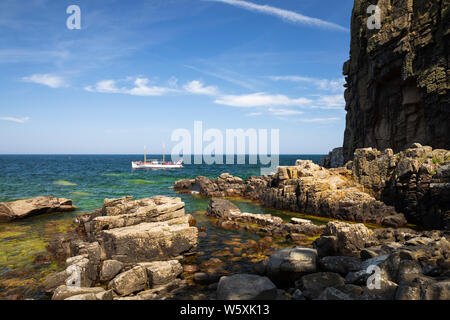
(397, 76)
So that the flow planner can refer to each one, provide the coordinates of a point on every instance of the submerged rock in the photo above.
(230, 217)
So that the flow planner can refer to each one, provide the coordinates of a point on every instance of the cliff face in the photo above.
(397, 76)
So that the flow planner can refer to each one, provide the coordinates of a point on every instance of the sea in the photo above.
(88, 180)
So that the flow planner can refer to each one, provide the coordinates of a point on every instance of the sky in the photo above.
(138, 70)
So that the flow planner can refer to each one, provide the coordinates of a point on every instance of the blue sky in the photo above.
(137, 70)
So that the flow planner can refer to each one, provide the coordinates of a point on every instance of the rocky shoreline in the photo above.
(377, 187)
(146, 249)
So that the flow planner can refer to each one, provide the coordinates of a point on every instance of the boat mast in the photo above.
(164, 153)
(145, 154)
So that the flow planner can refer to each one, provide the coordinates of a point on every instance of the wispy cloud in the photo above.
(254, 114)
(320, 120)
(226, 75)
(284, 112)
(260, 99)
(141, 88)
(197, 87)
(17, 120)
(49, 80)
(286, 15)
(333, 85)
(14, 55)
(329, 102)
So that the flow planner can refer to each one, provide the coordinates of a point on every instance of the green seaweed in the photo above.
(80, 194)
(64, 183)
(140, 181)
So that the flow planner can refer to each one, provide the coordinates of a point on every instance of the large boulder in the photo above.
(30, 207)
(162, 272)
(246, 287)
(129, 281)
(287, 265)
(110, 268)
(221, 208)
(345, 238)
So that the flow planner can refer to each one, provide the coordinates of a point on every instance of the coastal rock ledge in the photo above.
(380, 187)
(21, 209)
(132, 247)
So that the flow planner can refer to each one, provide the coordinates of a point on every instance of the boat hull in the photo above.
(155, 166)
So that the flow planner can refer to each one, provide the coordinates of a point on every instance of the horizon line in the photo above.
(150, 154)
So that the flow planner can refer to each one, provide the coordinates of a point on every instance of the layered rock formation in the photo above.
(376, 187)
(416, 181)
(132, 246)
(21, 209)
(397, 77)
(307, 188)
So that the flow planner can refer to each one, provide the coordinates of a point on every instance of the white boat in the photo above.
(156, 164)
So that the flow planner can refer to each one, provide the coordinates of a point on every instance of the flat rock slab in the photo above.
(64, 292)
(20, 209)
(148, 242)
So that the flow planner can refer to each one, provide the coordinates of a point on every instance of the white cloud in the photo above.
(49, 80)
(261, 99)
(141, 88)
(284, 112)
(104, 86)
(197, 87)
(17, 120)
(286, 15)
(254, 114)
(334, 85)
(320, 120)
(329, 102)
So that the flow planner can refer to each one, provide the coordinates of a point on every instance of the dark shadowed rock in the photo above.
(246, 287)
(340, 264)
(312, 285)
(110, 268)
(287, 265)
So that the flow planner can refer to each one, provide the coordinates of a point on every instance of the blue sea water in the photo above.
(88, 180)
